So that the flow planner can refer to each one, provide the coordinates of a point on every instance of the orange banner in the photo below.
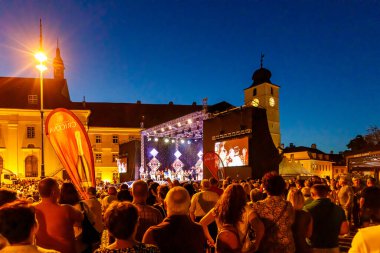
(212, 162)
(70, 141)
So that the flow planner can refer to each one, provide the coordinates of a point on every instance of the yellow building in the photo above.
(264, 94)
(108, 124)
(306, 161)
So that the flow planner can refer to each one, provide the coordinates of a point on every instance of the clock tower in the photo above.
(264, 94)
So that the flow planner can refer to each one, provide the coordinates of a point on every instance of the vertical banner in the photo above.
(212, 161)
(70, 141)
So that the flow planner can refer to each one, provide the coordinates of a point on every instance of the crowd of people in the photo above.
(267, 215)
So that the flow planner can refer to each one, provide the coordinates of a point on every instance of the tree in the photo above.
(373, 136)
(358, 143)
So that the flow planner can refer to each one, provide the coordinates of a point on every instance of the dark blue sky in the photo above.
(325, 55)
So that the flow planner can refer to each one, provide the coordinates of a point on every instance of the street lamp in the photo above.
(41, 58)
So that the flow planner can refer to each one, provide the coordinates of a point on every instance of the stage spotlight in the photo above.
(166, 140)
(179, 124)
(149, 139)
(170, 127)
(182, 141)
(173, 141)
(162, 129)
(189, 121)
(155, 139)
(188, 142)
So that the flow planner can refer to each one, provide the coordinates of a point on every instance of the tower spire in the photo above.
(261, 60)
(59, 66)
(40, 33)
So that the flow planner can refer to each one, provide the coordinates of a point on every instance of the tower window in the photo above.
(115, 157)
(254, 92)
(98, 139)
(30, 132)
(115, 139)
(271, 90)
(98, 158)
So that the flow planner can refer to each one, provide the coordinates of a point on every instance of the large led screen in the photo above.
(233, 152)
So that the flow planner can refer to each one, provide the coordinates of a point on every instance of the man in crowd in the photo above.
(214, 186)
(367, 199)
(202, 202)
(149, 216)
(357, 189)
(112, 196)
(329, 221)
(56, 222)
(177, 233)
(345, 197)
(95, 208)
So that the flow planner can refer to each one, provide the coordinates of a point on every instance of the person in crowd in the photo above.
(6, 196)
(148, 215)
(215, 186)
(368, 197)
(56, 221)
(346, 197)
(306, 195)
(95, 208)
(202, 202)
(357, 190)
(255, 195)
(124, 194)
(303, 222)
(112, 196)
(121, 221)
(177, 233)
(190, 189)
(277, 215)
(152, 196)
(366, 239)
(329, 221)
(162, 191)
(19, 225)
(232, 209)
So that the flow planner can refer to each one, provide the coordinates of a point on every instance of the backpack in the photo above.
(227, 240)
(89, 234)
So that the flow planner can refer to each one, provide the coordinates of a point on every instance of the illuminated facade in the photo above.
(307, 162)
(108, 124)
(264, 94)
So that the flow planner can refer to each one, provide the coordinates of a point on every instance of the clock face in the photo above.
(255, 102)
(271, 101)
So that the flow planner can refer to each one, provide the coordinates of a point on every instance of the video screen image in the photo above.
(233, 152)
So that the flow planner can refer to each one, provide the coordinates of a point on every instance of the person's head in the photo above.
(162, 191)
(190, 189)
(153, 188)
(121, 220)
(256, 195)
(306, 192)
(91, 191)
(230, 206)
(49, 189)
(140, 191)
(343, 181)
(371, 182)
(319, 191)
(205, 184)
(213, 181)
(7, 196)
(177, 201)
(296, 197)
(112, 191)
(69, 195)
(176, 182)
(18, 222)
(356, 181)
(274, 184)
(124, 187)
(225, 184)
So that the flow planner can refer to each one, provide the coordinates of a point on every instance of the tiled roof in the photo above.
(301, 149)
(14, 92)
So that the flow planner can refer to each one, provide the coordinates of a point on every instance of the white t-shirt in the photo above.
(366, 240)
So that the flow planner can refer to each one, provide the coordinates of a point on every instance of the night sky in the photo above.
(325, 55)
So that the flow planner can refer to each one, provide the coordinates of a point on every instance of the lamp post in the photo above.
(41, 58)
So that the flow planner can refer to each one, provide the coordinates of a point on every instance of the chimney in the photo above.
(314, 146)
(292, 145)
(331, 152)
(138, 102)
(171, 103)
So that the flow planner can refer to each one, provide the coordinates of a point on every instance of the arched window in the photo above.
(254, 92)
(31, 166)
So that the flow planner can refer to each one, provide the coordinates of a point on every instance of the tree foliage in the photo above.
(370, 140)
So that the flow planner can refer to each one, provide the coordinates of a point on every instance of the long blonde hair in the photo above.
(295, 197)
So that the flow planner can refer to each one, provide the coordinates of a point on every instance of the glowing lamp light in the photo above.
(170, 127)
(182, 141)
(188, 142)
(149, 139)
(189, 121)
(162, 129)
(155, 139)
(41, 67)
(40, 56)
(179, 124)
(173, 141)
(166, 140)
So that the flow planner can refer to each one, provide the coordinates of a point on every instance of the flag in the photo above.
(212, 161)
(70, 141)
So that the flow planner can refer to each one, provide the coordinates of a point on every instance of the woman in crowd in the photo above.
(18, 225)
(162, 190)
(277, 215)
(121, 220)
(303, 223)
(232, 210)
(70, 196)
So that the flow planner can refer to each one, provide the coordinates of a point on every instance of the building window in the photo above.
(31, 166)
(30, 132)
(254, 92)
(98, 158)
(32, 99)
(115, 157)
(99, 175)
(115, 139)
(1, 164)
(98, 139)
